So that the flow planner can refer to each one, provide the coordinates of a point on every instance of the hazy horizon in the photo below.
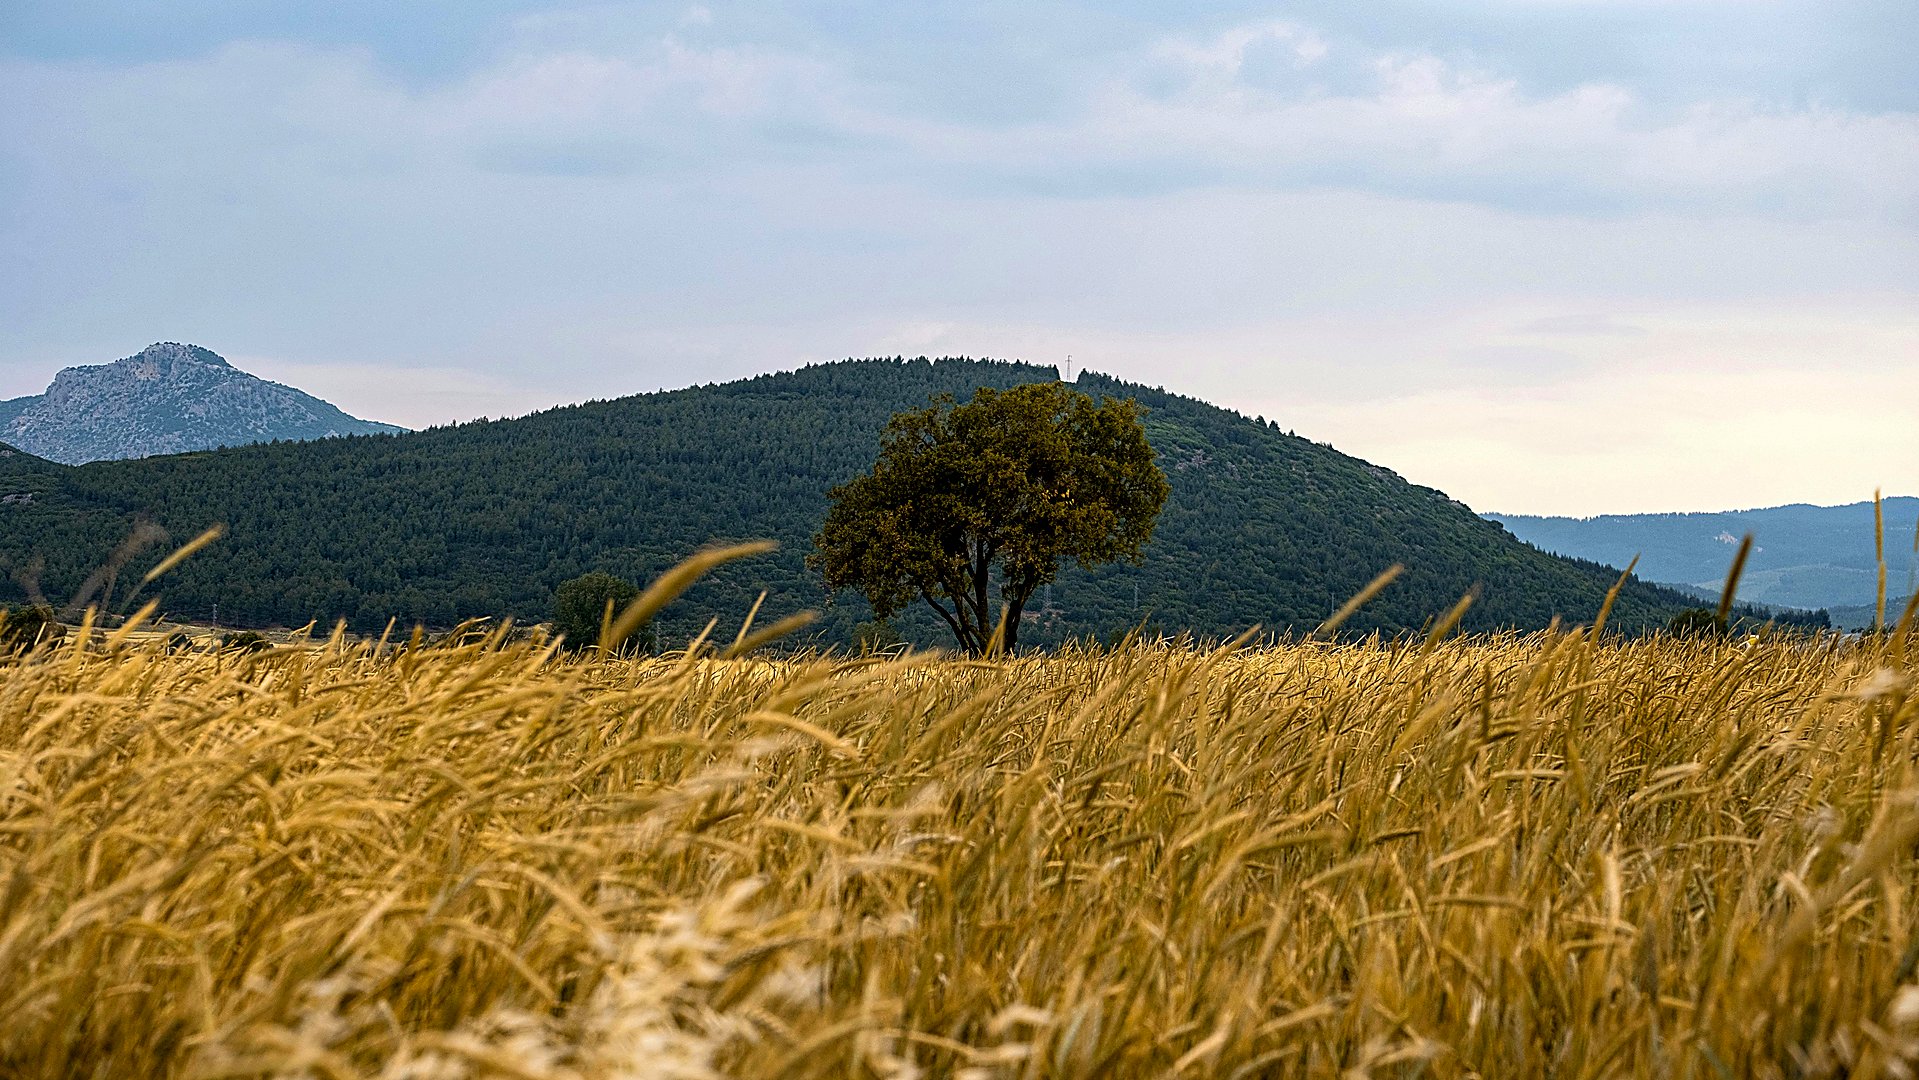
(1549, 256)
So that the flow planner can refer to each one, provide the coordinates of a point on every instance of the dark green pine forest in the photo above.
(486, 518)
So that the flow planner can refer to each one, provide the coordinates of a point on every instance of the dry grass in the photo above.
(1505, 857)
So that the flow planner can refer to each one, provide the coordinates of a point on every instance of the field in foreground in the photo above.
(1497, 857)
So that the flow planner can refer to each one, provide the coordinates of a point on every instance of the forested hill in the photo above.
(486, 518)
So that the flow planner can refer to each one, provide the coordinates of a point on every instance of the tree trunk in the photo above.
(982, 583)
(1014, 609)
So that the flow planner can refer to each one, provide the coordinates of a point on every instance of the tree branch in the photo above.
(969, 621)
(958, 631)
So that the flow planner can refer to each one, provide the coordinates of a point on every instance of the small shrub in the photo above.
(877, 635)
(245, 641)
(22, 627)
(580, 606)
(1698, 623)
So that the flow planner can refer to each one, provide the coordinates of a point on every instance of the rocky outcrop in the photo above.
(166, 399)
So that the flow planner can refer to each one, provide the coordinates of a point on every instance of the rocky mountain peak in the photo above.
(158, 360)
(167, 398)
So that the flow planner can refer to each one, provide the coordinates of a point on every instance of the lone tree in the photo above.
(583, 605)
(1002, 487)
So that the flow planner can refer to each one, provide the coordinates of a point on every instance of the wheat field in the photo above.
(1511, 856)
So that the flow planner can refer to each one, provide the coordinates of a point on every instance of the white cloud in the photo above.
(1222, 57)
(596, 91)
(1399, 123)
(1421, 124)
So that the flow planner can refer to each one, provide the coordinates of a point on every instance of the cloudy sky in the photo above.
(1556, 256)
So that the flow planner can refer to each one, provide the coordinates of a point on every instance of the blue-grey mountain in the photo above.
(1803, 556)
(166, 399)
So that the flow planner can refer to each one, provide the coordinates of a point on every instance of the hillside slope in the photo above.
(166, 399)
(1803, 556)
(486, 518)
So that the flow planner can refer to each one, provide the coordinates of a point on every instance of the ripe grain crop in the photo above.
(1503, 856)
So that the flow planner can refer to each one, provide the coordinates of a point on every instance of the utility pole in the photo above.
(1069, 367)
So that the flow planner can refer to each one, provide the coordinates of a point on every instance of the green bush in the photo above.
(876, 635)
(22, 627)
(1698, 622)
(244, 641)
(580, 608)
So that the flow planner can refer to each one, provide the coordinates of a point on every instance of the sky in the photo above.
(1549, 256)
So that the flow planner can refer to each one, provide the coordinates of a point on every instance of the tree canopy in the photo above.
(1003, 487)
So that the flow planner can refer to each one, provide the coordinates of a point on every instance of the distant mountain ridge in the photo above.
(1803, 556)
(486, 518)
(168, 398)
